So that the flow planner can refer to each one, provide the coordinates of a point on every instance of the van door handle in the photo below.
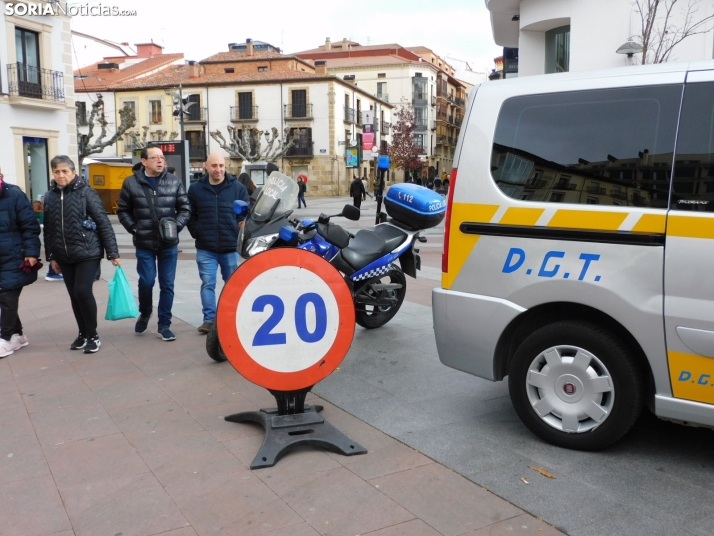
(699, 341)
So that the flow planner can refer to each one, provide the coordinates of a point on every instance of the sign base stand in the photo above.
(291, 424)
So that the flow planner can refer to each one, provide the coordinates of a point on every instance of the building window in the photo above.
(557, 50)
(381, 75)
(194, 111)
(419, 89)
(27, 53)
(302, 145)
(420, 116)
(229, 70)
(557, 197)
(155, 107)
(381, 89)
(262, 68)
(81, 113)
(588, 128)
(419, 143)
(299, 100)
(245, 105)
(359, 112)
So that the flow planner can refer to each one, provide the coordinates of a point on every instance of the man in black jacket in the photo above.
(214, 225)
(357, 191)
(169, 200)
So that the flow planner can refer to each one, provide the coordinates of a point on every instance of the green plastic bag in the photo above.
(121, 302)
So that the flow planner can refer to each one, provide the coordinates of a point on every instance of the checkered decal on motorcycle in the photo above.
(372, 273)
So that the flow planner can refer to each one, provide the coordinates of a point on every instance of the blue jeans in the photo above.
(146, 262)
(208, 263)
(301, 198)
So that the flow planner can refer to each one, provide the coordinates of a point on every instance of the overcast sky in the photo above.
(456, 28)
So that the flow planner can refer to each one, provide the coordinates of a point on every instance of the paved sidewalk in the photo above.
(132, 441)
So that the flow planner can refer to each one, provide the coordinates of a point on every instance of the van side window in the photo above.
(693, 182)
(605, 147)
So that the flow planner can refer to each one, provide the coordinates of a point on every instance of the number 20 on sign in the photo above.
(285, 319)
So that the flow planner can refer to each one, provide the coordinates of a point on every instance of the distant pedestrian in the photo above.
(19, 254)
(430, 183)
(365, 184)
(302, 188)
(357, 192)
(77, 232)
(214, 225)
(150, 198)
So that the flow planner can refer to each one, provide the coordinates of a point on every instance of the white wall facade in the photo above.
(46, 120)
(597, 30)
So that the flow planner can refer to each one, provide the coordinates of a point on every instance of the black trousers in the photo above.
(9, 321)
(78, 278)
(357, 201)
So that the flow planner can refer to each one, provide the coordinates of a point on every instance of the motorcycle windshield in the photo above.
(279, 195)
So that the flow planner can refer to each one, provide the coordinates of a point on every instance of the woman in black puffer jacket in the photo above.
(19, 242)
(77, 231)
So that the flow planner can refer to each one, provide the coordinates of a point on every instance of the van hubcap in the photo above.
(570, 389)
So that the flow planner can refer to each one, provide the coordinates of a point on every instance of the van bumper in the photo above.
(467, 329)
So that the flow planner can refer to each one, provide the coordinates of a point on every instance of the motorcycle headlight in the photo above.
(260, 243)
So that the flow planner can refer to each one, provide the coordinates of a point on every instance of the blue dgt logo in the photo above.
(686, 376)
(548, 266)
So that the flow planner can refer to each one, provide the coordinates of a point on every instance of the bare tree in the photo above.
(127, 120)
(141, 140)
(247, 143)
(661, 33)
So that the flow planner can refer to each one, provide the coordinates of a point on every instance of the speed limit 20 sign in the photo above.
(285, 319)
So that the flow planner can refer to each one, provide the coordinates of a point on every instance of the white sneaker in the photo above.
(6, 348)
(19, 340)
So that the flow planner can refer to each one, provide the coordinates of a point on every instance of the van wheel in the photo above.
(213, 345)
(576, 385)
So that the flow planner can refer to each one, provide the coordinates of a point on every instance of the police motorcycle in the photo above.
(367, 259)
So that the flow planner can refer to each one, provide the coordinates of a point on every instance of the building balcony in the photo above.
(244, 114)
(452, 140)
(451, 119)
(301, 149)
(433, 100)
(34, 86)
(298, 112)
(458, 121)
(197, 152)
(460, 102)
(419, 98)
(421, 149)
(420, 126)
(385, 128)
(596, 190)
(349, 115)
(196, 115)
(441, 140)
(565, 185)
(618, 194)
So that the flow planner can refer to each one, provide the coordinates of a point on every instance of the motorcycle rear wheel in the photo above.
(371, 317)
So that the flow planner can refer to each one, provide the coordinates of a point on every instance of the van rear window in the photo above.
(609, 147)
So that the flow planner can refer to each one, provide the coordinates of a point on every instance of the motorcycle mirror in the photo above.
(240, 207)
(288, 234)
(351, 212)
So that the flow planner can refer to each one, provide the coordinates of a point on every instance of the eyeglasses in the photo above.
(158, 158)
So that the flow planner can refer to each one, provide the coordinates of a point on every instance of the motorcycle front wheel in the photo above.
(213, 346)
(375, 316)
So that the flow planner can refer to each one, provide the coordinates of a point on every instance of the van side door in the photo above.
(689, 256)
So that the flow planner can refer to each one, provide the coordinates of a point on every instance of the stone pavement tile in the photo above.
(302, 529)
(200, 391)
(122, 394)
(57, 387)
(133, 506)
(15, 422)
(185, 531)
(444, 499)
(338, 418)
(31, 359)
(367, 436)
(154, 421)
(10, 396)
(20, 458)
(100, 369)
(383, 461)
(301, 461)
(72, 424)
(95, 459)
(632, 522)
(337, 502)
(523, 524)
(212, 419)
(415, 527)
(341, 387)
(232, 504)
(181, 458)
(165, 364)
(32, 507)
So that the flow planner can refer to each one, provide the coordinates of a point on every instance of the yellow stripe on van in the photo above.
(461, 244)
(587, 219)
(692, 377)
(690, 226)
(521, 216)
(650, 223)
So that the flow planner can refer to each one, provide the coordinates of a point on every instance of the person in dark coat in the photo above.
(357, 192)
(246, 181)
(19, 245)
(170, 201)
(214, 225)
(77, 232)
(302, 188)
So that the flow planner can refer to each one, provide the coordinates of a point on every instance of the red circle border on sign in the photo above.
(228, 309)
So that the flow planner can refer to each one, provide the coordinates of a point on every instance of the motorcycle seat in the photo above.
(391, 235)
(364, 248)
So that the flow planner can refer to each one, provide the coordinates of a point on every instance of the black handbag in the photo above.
(167, 227)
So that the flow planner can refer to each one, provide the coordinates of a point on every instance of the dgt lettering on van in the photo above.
(548, 265)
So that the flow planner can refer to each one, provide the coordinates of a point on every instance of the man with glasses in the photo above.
(147, 197)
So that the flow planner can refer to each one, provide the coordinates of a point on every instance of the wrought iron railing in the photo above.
(195, 114)
(349, 115)
(244, 113)
(300, 148)
(565, 185)
(298, 111)
(596, 190)
(197, 151)
(385, 127)
(27, 81)
(618, 194)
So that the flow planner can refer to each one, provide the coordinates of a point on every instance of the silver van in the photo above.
(579, 248)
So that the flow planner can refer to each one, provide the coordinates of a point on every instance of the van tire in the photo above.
(213, 345)
(572, 382)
